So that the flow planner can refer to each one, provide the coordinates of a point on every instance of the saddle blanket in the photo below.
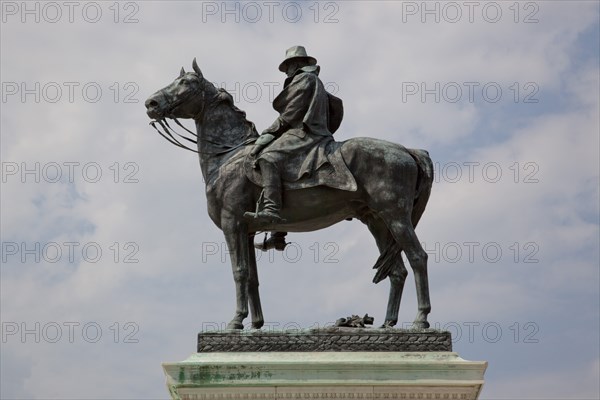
(331, 170)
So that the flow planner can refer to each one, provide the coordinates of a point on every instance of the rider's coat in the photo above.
(310, 116)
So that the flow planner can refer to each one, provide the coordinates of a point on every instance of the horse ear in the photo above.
(182, 72)
(196, 68)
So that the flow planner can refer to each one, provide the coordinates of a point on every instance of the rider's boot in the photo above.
(275, 241)
(269, 214)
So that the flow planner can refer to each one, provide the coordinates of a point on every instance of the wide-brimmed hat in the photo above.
(294, 53)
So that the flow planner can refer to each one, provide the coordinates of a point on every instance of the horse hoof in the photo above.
(388, 325)
(257, 324)
(235, 325)
(420, 325)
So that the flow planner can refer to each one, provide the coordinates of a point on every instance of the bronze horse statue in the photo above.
(393, 183)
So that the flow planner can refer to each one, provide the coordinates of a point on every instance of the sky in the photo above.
(111, 265)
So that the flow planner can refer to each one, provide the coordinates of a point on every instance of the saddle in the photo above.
(325, 166)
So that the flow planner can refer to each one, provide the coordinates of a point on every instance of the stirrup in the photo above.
(274, 242)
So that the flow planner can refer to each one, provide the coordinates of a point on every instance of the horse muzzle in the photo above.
(156, 106)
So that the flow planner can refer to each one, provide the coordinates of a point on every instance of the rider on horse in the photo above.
(308, 115)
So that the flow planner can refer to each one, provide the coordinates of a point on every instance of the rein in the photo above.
(169, 137)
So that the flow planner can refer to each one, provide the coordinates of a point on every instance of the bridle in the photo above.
(167, 131)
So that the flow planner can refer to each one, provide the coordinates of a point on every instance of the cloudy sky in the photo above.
(110, 264)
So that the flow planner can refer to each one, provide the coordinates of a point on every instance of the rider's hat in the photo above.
(295, 53)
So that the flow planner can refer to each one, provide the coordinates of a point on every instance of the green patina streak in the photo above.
(203, 375)
(206, 374)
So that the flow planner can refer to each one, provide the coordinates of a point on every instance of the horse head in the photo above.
(183, 98)
(224, 127)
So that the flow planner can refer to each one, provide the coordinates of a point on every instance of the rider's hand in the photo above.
(277, 128)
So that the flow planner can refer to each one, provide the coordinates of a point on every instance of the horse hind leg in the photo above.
(390, 265)
(404, 234)
(397, 278)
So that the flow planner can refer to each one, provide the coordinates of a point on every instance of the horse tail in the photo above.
(424, 183)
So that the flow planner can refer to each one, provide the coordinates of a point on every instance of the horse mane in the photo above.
(224, 97)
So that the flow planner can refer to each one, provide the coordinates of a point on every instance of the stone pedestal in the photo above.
(319, 373)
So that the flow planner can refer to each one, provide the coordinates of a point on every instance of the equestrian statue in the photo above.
(295, 177)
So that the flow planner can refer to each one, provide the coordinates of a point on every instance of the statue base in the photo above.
(325, 339)
(324, 374)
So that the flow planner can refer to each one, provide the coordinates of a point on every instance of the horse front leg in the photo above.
(253, 294)
(236, 236)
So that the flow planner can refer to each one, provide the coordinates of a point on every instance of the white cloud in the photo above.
(183, 277)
